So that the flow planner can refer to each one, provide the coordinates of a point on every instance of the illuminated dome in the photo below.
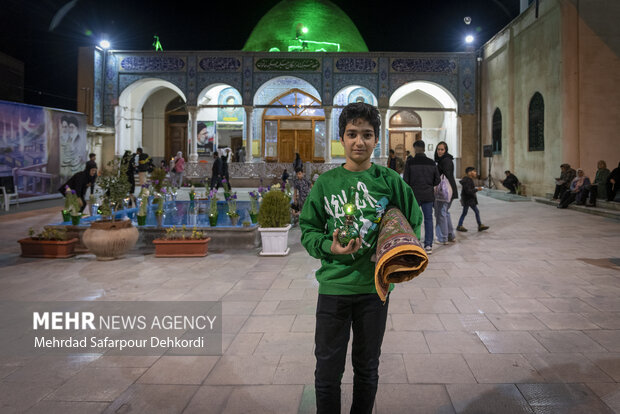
(305, 26)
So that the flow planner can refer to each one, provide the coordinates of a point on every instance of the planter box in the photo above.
(181, 248)
(275, 240)
(49, 249)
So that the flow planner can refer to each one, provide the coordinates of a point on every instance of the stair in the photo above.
(609, 209)
(503, 195)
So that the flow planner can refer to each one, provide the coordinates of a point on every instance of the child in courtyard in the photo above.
(347, 294)
(469, 199)
(302, 187)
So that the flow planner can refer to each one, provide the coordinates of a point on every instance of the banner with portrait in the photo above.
(230, 96)
(205, 137)
(40, 148)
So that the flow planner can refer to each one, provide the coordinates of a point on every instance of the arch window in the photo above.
(536, 126)
(293, 123)
(497, 131)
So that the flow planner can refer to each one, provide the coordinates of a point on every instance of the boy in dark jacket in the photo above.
(469, 199)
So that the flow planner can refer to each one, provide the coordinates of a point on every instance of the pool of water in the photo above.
(179, 213)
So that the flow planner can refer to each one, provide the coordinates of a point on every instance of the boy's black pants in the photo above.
(335, 316)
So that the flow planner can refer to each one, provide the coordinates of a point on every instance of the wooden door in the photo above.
(304, 144)
(286, 152)
(175, 140)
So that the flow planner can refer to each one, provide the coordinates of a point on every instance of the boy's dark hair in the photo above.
(392, 151)
(359, 110)
(419, 144)
(507, 172)
(139, 150)
(468, 169)
(298, 170)
(92, 154)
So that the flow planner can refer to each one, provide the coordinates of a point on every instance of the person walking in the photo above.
(445, 165)
(129, 165)
(422, 175)
(469, 199)
(144, 165)
(179, 169)
(297, 163)
(216, 172)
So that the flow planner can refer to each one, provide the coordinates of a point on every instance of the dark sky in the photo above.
(51, 57)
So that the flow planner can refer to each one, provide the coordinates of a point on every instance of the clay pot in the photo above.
(49, 249)
(181, 248)
(109, 240)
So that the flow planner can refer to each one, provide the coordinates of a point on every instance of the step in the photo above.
(503, 195)
(609, 205)
(598, 210)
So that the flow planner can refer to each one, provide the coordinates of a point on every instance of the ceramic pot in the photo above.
(109, 240)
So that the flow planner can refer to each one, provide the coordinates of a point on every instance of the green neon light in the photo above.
(304, 30)
(303, 46)
(157, 44)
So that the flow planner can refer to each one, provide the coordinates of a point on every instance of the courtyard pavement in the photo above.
(522, 318)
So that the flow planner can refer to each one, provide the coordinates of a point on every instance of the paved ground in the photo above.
(522, 318)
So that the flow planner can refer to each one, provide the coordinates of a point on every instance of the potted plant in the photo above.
(109, 238)
(182, 243)
(254, 205)
(72, 205)
(192, 193)
(232, 209)
(274, 221)
(51, 243)
(212, 197)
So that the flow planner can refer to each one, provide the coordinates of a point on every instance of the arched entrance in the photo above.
(176, 128)
(423, 110)
(290, 124)
(141, 118)
(221, 120)
(405, 129)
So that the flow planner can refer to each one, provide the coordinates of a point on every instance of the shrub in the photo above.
(275, 209)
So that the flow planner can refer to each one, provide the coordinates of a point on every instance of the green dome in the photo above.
(328, 29)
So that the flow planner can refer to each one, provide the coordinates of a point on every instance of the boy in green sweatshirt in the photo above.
(347, 294)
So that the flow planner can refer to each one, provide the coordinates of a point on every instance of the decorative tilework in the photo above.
(424, 65)
(178, 80)
(152, 64)
(327, 80)
(467, 84)
(283, 84)
(98, 92)
(220, 64)
(205, 80)
(383, 77)
(356, 65)
(368, 81)
(287, 64)
(191, 80)
(248, 69)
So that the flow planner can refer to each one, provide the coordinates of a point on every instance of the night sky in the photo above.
(50, 57)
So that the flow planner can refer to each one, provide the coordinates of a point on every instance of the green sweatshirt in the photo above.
(374, 190)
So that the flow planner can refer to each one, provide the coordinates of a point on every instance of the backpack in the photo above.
(443, 190)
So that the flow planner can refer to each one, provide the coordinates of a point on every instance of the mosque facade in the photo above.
(282, 94)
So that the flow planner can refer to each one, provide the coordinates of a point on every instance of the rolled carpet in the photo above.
(400, 256)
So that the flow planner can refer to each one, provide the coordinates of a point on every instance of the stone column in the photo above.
(384, 134)
(249, 120)
(328, 133)
(192, 112)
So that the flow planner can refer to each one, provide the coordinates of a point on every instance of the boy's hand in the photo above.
(353, 246)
